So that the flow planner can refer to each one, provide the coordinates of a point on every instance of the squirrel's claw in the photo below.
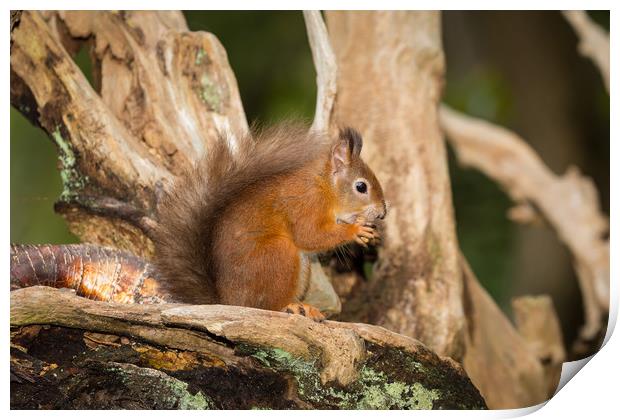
(366, 234)
(362, 241)
(304, 309)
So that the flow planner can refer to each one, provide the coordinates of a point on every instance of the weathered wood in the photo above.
(70, 352)
(593, 41)
(497, 359)
(326, 69)
(163, 95)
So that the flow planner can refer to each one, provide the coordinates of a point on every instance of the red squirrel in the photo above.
(237, 227)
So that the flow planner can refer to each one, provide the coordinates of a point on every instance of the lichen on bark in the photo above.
(388, 379)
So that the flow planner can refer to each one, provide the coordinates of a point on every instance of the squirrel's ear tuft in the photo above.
(353, 138)
(348, 146)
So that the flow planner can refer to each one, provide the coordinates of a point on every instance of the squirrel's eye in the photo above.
(361, 187)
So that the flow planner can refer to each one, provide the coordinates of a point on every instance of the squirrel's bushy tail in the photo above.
(198, 199)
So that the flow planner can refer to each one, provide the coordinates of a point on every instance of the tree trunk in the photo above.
(391, 68)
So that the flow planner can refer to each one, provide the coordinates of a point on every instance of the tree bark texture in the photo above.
(70, 352)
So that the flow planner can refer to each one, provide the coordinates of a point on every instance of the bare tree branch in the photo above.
(326, 68)
(48, 82)
(593, 41)
(569, 203)
(321, 292)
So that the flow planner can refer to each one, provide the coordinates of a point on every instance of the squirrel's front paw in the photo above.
(305, 310)
(366, 234)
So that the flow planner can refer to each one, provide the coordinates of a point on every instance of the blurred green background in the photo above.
(518, 69)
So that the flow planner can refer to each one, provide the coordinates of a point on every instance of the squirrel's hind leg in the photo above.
(264, 275)
(267, 275)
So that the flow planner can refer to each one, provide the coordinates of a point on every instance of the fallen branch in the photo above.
(568, 203)
(215, 356)
(593, 41)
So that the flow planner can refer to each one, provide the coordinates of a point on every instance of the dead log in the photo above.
(113, 340)
(70, 352)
